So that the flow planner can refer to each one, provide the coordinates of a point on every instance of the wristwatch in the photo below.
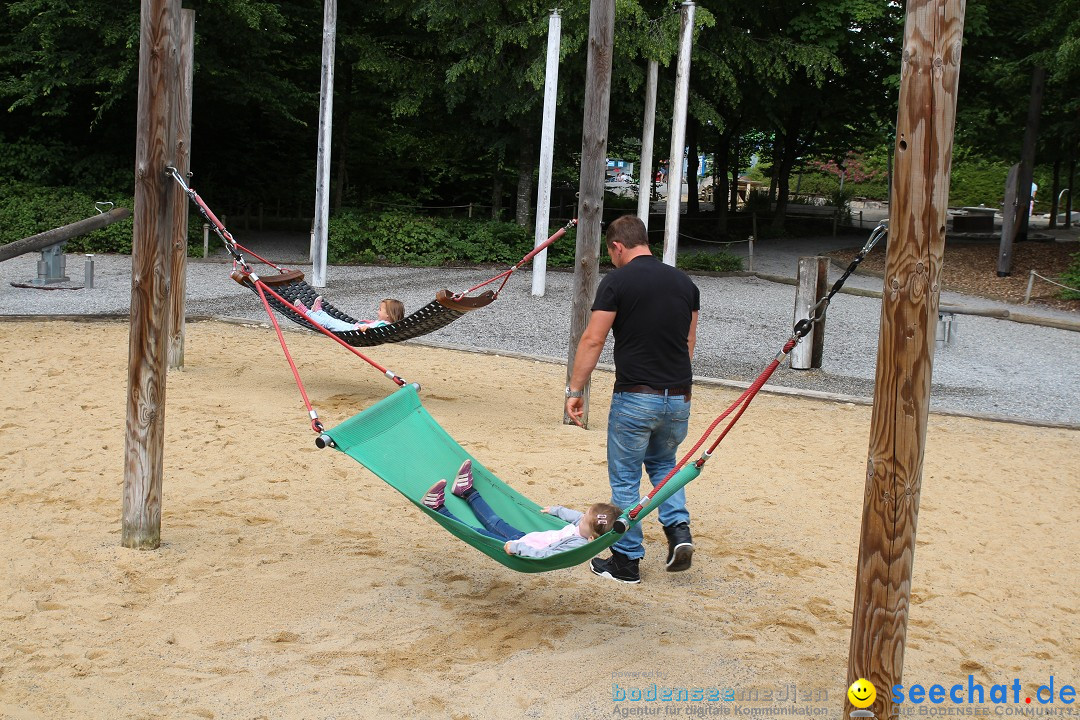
(573, 393)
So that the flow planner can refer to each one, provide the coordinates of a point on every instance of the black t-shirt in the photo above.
(653, 304)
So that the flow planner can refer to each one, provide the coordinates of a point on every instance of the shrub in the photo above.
(400, 238)
(27, 210)
(840, 198)
(710, 262)
(1071, 277)
(758, 201)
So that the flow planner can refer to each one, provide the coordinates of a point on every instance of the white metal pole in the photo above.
(547, 149)
(326, 121)
(678, 136)
(645, 179)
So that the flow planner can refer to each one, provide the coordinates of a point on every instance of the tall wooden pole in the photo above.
(593, 168)
(547, 150)
(150, 259)
(182, 115)
(648, 130)
(322, 168)
(678, 136)
(930, 70)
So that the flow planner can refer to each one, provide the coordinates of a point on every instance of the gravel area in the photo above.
(992, 367)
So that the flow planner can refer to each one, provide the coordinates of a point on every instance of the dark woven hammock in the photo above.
(437, 314)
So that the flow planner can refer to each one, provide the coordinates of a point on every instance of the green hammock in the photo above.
(401, 443)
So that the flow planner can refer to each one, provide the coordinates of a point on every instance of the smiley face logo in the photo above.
(862, 693)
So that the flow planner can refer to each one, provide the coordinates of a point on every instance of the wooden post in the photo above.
(645, 172)
(933, 33)
(150, 255)
(678, 135)
(591, 187)
(813, 286)
(547, 149)
(326, 121)
(182, 115)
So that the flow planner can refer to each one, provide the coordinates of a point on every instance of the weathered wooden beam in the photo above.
(155, 144)
(593, 170)
(61, 234)
(930, 69)
(182, 113)
(813, 285)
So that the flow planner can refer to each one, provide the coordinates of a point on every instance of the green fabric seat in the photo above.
(402, 444)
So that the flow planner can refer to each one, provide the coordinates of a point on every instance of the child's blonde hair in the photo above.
(395, 309)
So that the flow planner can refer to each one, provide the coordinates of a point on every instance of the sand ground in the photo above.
(291, 583)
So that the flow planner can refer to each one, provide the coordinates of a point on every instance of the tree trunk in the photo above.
(782, 173)
(720, 171)
(1027, 154)
(1072, 188)
(1054, 192)
(693, 206)
(342, 143)
(526, 186)
(496, 195)
(733, 188)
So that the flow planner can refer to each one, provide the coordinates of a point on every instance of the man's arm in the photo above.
(691, 339)
(588, 353)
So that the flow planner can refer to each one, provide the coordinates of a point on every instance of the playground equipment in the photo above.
(283, 290)
(377, 436)
(52, 266)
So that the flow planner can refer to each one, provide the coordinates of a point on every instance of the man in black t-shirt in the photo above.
(652, 309)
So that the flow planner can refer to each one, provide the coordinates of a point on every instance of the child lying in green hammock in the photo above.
(583, 527)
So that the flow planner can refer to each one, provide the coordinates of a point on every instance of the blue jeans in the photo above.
(494, 526)
(644, 430)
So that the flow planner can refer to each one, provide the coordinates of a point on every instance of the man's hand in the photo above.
(575, 410)
(506, 547)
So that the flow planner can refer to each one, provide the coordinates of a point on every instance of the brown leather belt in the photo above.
(683, 391)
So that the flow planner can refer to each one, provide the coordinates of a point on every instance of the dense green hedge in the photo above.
(973, 181)
(1071, 277)
(27, 210)
(397, 238)
(711, 262)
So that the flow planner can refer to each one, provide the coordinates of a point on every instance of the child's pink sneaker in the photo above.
(463, 482)
(436, 496)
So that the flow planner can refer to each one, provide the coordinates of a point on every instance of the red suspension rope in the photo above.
(801, 329)
(741, 404)
(505, 275)
(263, 289)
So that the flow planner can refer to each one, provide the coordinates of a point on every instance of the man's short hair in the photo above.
(604, 516)
(628, 230)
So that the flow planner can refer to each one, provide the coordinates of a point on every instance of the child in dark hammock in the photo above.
(390, 311)
(583, 527)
